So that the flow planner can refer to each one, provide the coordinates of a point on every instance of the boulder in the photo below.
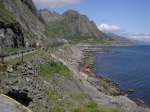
(10, 69)
(30, 72)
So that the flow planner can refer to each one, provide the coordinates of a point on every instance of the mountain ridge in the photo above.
(36, 25)
(74, 24)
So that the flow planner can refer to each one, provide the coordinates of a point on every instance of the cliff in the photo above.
(72, 26)
(24, 14)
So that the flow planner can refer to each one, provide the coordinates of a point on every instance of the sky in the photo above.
(129, 18)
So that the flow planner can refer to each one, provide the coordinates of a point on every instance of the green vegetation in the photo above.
(27, 35)
(105, 41)
(51, 68)
(57, 105)
(52, 94)
(62, 28)
(5, 15)
(57, 29)
(93, 107)
(79, 97)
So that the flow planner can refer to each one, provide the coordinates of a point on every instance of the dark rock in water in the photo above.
(130, 91)
(140, 102)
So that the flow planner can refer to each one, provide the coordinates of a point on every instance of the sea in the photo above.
(129, 67)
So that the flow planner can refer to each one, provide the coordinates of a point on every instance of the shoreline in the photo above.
(87, 68)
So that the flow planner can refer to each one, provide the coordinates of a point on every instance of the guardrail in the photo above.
(19, 52)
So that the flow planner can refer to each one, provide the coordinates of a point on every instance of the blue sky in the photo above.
(119, 16)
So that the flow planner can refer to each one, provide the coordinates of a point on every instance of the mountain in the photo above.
(120, 39)
(127, 40)
(72, 26)
(49, 17)
(21, 22)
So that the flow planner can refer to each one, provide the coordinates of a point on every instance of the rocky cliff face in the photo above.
(11, 35)
(35, 25)
(25, 14)
(49, 17)
(72, 26)
(81, 23)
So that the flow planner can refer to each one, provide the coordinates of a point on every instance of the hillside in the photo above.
(73, 27)
(24, 14)
(46, 26)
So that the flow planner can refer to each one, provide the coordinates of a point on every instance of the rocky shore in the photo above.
(102, 84)
(60, 93)
(109, 96)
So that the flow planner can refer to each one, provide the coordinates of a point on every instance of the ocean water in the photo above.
(129, 67)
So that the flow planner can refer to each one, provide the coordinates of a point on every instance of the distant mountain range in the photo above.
(128, 40)
(120, 39)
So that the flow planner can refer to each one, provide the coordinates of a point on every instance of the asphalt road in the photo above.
(18, 55)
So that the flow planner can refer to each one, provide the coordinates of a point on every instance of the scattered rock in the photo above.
(30, 72)
(9, 69)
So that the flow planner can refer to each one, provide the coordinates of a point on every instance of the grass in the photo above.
(56, 29)
(51, 68)
(79, 97)
(28, 35)
(54, 97)
(105, 41)
(93, 107)
(52, 94)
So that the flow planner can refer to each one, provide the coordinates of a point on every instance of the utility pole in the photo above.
(22, 55)
(1, 55)
(3, 66)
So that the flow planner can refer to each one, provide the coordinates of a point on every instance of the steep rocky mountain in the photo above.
(49, 17)
(24, 23)
(73, 26)
(23, 13)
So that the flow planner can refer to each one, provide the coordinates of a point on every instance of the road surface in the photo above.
(18, 55)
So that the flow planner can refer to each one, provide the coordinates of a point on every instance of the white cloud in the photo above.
(144, 37)
(109, 28)
(54, 3)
